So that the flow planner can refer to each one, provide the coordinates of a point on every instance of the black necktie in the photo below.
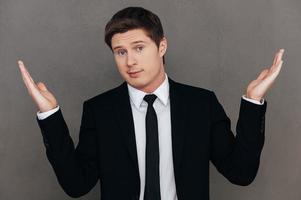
(152, 181)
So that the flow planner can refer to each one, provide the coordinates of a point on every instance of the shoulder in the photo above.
(191, 91)
(107, 97)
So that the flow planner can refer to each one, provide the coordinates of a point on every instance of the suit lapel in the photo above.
(126, 122)
(178, 121)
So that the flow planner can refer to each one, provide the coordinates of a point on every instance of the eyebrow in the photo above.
(135, 42)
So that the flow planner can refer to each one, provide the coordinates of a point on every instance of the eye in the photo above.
(121, 52)
(139, 48)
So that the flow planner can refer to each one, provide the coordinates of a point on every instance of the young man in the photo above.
(151, 138)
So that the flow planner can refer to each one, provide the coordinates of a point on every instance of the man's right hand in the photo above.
(39, 93)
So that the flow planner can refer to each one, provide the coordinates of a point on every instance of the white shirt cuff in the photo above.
(261, 102)
(44, 115)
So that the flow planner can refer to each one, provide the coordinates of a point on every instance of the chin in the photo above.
(138, 84)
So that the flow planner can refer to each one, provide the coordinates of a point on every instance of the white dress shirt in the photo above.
(162, 108)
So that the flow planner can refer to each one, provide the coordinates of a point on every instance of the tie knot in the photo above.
(150, 98)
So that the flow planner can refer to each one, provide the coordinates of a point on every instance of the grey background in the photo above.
(215, 44)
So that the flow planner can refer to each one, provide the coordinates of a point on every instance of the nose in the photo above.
(131, 60)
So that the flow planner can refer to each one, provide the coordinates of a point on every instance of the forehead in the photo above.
(130, 37)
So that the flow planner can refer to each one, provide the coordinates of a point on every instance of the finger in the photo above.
(277, 61)
(275, 58)
(263, 74)
(26, 77)
(279, 57)
(279, 66)
(25, 71)
(272, 75)
(42, 86)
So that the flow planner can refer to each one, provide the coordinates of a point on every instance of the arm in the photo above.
(76, 169)
(237, 158)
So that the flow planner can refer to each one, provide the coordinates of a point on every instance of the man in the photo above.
(151, 138)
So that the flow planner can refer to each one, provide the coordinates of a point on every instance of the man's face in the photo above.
(139, 60)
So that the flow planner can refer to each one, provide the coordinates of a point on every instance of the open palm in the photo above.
(39, 93)
(258, 87)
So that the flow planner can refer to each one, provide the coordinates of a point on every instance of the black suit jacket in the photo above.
(201, 132)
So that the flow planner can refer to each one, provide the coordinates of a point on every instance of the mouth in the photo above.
(134, 73)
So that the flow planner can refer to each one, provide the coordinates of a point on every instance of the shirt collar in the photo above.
(162, 92)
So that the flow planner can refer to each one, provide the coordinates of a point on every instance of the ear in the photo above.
(163, 46)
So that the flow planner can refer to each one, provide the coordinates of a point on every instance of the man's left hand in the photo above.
(258, 87)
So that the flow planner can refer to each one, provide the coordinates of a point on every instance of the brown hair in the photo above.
(134, 18)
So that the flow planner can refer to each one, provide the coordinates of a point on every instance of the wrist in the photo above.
(253, 97)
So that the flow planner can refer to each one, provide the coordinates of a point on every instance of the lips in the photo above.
(134, 72)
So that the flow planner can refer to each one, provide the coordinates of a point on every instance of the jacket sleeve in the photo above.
(237, 157)
(76, 168)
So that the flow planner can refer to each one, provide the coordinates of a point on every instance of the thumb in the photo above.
(42, 86)
(262, 74)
